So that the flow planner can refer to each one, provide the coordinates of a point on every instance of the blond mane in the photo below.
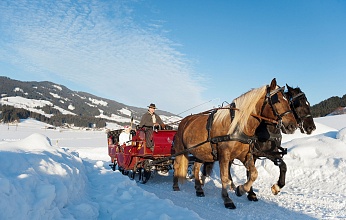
(246, 104)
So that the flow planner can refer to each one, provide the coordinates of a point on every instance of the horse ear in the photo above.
(273, 84)
(288, 87)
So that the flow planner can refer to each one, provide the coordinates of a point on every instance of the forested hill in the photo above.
(57, 105)
(333, 105)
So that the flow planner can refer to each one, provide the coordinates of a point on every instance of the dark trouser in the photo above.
(148, 138)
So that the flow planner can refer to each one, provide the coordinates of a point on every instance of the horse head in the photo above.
(277, 107)
(301, 109)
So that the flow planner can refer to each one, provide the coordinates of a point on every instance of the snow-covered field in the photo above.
(64, 174)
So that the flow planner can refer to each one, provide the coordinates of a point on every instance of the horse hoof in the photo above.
(275, 189)
(175, 188)
(239, 191)
(230, 206)
(252, 197)
(200, 194)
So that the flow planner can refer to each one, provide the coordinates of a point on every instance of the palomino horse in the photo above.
(268, 144)
(226, 134)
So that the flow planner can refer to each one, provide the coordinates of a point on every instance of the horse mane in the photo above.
(295, 90)
(246, 104)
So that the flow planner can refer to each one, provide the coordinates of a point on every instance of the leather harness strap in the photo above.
(240, 137)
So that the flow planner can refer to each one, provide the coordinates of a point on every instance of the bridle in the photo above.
(271, 98)
(292, 101)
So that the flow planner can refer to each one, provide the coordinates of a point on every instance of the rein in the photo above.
(158, 161)
(254, 115)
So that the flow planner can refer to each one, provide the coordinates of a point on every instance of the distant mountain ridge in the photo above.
(51, 100)
(56, 104)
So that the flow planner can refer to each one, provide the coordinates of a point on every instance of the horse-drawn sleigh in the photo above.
(222, 134)
(136, 158)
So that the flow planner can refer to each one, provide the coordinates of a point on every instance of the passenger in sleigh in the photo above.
(150, 121)
(125, 136)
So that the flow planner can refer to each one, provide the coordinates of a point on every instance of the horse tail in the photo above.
(181, 163)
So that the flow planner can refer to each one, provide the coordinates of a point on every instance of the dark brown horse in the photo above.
(302, 113)
(268, 144)
(301, 109)
(227, 134)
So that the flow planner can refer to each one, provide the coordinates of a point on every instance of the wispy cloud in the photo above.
(99, 46)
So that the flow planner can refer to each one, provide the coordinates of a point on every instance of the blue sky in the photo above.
(177, 54)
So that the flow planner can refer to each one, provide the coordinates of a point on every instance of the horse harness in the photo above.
(251, 140)
(241, 137)
(275, 153)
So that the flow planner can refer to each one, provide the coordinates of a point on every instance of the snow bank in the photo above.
(51, 174)
(40, 181)
(341, 135)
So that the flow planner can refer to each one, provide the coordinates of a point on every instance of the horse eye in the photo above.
(275, 98)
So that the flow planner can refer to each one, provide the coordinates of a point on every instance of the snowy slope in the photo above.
(64, 174)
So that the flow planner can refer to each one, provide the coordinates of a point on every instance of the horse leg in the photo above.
(253, 174)
(231, 183)
(175, 184)
(224, 174)
(175, 180)
(281, 182)
(180, 170)
(251, 195)
(198, 185)
(206, 171)
(208, 168)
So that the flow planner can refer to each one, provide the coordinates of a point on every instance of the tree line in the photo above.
(328, 106)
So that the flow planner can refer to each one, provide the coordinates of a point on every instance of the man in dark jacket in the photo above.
(149, 121)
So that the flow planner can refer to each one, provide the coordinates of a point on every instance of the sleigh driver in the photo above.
(151, 121)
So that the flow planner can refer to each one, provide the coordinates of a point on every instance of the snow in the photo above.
(32, 104)
(71, 107)
(64, 174)
(29, 104)
(98, 102)
(58, 87)
(114, 117)
(55, 95)
(125, 111)
(18, 90)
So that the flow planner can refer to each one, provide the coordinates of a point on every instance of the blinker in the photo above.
(275, 98)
